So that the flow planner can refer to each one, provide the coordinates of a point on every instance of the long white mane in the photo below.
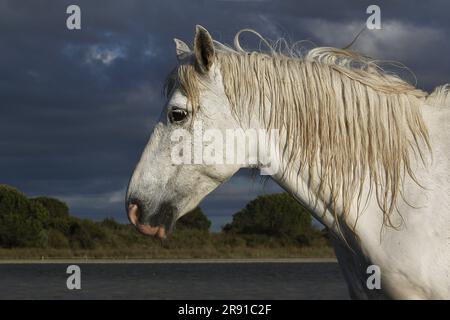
(347, 118)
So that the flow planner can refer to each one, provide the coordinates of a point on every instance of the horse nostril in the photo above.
(133, 213)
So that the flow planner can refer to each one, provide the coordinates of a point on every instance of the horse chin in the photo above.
(148, 230)
(161, 230)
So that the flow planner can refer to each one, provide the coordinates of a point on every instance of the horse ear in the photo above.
(203, 49)
(182, 49)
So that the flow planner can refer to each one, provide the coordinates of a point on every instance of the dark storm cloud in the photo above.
(77, 107)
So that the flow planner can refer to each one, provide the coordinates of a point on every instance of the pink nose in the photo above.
(146, 229)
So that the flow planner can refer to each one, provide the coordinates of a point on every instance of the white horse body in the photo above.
(414, 258)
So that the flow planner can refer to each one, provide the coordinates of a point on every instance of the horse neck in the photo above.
(304, 191)
(346, 229)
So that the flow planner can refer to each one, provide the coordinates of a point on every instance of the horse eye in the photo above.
(177, 115)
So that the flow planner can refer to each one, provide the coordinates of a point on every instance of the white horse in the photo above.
(364, 151)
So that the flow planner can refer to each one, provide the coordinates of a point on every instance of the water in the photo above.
(176, 281)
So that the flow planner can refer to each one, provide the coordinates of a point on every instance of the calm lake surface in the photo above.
(271, 280)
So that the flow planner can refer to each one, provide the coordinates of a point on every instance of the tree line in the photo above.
(45, 222)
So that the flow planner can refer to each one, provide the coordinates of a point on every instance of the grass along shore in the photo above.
(163, 253)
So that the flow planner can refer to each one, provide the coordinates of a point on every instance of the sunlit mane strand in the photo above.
(347, 119)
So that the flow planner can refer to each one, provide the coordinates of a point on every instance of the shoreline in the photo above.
(162, 261)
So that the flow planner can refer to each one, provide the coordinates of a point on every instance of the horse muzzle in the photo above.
(157, 227)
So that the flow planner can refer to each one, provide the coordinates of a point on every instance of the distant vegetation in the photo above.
(269, 226)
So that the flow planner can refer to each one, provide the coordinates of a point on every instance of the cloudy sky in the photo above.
(77, 107)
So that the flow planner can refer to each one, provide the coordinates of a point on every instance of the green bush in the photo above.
(275, 215)
(57, 240)
(55, 207)
(110, 223)
(22, 222)
(194, 219)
